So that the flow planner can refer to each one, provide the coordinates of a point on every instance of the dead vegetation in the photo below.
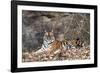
(64, 54)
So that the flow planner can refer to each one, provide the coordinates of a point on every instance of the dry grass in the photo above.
(65, 54)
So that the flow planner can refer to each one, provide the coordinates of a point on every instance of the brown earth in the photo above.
(67, 54)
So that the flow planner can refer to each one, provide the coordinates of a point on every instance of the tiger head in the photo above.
(49, 36)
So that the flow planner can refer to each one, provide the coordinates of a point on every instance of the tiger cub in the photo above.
(77, 43)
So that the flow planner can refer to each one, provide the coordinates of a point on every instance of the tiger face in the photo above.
(49, 36)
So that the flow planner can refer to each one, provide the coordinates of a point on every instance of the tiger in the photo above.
(48, 39)
(76, 43)
(50, 46)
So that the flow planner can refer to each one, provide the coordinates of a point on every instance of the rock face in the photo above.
(72, 25)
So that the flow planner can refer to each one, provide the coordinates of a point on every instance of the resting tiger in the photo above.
(48, 39)
(77, 43)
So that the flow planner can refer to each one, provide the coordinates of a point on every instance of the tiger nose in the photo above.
(49, 37)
